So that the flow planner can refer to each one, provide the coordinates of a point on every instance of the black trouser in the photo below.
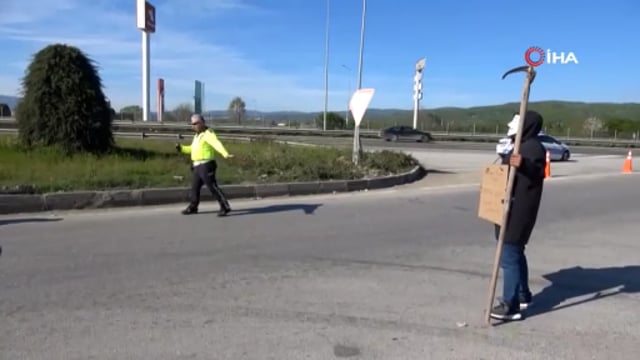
(205, 174)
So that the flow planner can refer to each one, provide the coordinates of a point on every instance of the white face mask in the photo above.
(513, 125)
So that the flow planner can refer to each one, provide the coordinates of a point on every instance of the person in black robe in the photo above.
(523, 212)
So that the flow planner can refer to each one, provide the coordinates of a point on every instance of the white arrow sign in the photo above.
(359, 103)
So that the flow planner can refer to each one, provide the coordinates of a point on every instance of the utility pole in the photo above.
(357, 144)
(362, 29)
(326, 70)
(346, 113)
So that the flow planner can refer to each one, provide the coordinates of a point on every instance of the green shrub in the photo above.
(390, 162)
(63, 104)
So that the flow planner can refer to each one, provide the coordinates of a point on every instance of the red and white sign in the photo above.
(146, 16)
(535, 56)
(359, 103)
(160, 99)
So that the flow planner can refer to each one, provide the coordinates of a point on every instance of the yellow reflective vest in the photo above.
(203, 145)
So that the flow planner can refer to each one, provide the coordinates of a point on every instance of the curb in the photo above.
(26, 203)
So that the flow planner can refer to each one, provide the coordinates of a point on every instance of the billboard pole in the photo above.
(145, 76)
(146, 21)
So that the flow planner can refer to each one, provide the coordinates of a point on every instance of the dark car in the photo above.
(401, 132)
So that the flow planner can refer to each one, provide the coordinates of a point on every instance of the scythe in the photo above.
(531, 74)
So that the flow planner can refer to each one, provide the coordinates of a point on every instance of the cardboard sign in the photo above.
(359, 104)
(492, 192)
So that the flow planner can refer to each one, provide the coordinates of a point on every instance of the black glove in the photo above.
(178, 147)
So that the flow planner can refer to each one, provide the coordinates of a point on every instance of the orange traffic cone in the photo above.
(547, 166)
(627, 168)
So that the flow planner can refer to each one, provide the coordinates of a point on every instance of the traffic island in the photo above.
(151, 172)
(77, 200)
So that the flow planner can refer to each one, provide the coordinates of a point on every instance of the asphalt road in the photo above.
(471, 161)
(392, 274)
(436, 145)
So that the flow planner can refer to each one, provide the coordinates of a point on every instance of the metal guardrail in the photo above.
(129, 126)
(152, 129)
(141, 135)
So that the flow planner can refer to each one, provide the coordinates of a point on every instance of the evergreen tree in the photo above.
(63, 104)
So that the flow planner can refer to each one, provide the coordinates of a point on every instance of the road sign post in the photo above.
(417, 89)
(358, 105)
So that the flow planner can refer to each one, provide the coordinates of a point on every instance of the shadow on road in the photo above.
(27, 220)
(578, 281)
(308, 209)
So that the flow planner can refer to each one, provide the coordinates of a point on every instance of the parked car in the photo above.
(401, 132)
(557, 149)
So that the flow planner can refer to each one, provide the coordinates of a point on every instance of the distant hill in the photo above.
(557, 114)
(279, 116)
(551, 110)
(561, 117)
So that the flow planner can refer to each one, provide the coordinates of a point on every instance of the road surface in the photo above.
(488, 147)
(390, 274)
(464, 161)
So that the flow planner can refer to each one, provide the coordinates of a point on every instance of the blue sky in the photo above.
(271, 52)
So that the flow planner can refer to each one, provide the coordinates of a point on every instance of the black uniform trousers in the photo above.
(205, 174)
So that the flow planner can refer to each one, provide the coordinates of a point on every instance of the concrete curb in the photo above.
(25, 203)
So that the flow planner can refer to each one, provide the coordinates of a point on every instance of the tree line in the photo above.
(236, 110)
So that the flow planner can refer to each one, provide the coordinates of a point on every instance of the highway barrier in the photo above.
(153, 129)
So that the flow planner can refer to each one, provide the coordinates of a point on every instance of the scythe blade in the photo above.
(524, 68)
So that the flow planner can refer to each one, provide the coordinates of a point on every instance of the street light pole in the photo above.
(346, 113)
(357, 145)
(326, 71)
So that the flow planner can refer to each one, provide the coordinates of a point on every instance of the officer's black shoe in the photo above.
(224, 212)
(189, 211)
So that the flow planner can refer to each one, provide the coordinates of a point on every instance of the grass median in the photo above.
(155, 163)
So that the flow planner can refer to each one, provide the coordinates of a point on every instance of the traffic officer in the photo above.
(202, 149)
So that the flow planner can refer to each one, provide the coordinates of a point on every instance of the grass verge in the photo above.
(155, 163)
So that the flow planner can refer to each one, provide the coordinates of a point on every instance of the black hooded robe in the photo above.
(528, 183)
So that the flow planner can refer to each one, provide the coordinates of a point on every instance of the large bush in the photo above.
(63, 104)
(335, 121)
(5, 110)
